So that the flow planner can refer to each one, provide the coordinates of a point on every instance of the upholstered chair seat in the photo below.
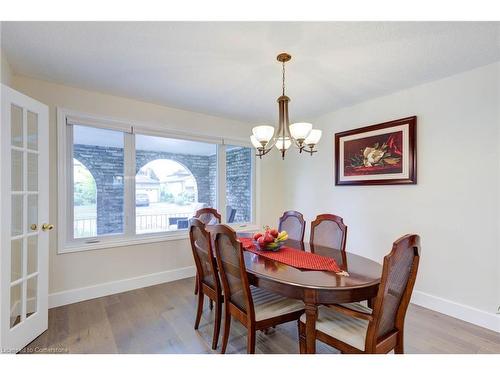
(343, 327)
(268, 305)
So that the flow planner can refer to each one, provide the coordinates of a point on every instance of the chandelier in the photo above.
(300, 134)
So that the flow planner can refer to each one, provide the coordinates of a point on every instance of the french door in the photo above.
(24, 220)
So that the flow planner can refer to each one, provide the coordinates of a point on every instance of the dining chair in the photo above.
(328, 230)
(208, 216)
(294, 224)
(255, 308)
(354, 328)
(208, 280)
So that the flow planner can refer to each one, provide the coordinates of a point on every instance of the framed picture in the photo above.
(381, 154)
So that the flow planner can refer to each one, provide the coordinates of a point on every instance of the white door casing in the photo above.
(24, 208)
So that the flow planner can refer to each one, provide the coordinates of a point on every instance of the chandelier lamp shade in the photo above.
(299, 134)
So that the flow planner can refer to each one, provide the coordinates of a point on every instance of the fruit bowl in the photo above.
(273, 246)
(270, 240)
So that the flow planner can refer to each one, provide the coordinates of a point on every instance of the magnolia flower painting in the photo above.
(377, 154)
(382, 154)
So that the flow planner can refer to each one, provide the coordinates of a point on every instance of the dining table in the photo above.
(313, 287)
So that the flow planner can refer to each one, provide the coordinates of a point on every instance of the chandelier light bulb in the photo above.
(263, 133)
(300, 130)
(313, 137)
(283, 143)
(255, 142)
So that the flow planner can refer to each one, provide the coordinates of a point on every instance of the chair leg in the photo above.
(227, 327)
(218, 313)
(302, 337)
(251, 339)
(201, 298)
(196, 284)
(399, 348)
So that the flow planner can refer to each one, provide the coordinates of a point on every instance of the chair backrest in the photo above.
(208, 216)
(230, 214)
(203, 254)
(231, 264)
(396, 285)
(329, 230)
(294, 224)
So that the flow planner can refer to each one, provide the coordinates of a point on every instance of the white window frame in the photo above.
(66, 242)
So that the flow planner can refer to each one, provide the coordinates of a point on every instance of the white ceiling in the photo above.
(229, 68)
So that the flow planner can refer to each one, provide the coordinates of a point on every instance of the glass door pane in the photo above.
(16, 171)
(32, 212)
(16, 259)
(32, 254)
(17, 214)
(31, 293)
(32, 131)
(16, 131)
(16, 305)
(32, 172)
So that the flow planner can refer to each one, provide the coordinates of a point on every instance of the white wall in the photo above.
(455, 205)
(5, 69)
(86, 269)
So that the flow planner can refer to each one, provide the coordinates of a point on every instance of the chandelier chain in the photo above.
(283, 77)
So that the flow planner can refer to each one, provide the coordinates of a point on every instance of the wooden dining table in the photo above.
(315, 288)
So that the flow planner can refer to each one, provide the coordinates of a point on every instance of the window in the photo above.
(174, 179)
(84, 201)
(238, 184)
(123, 185)
(98, 181)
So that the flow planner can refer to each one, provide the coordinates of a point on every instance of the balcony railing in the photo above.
(144, 223)
(86, 227)
(159, 222)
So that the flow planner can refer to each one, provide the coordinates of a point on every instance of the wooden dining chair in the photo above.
(329, 231)
(355, 328)
(208, 280)
(294, 224)
(208, 216)
(257, 309)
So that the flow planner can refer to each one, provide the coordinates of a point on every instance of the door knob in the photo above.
(34, 227)
(46, 227)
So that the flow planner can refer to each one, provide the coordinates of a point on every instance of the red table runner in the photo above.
(296, 258)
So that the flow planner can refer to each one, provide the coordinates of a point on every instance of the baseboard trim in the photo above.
(457, 310)
(105, 289)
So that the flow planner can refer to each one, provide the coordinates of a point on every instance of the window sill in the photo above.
(140, 240)
(244, 227)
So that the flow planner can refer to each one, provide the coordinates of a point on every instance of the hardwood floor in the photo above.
(160, 319)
